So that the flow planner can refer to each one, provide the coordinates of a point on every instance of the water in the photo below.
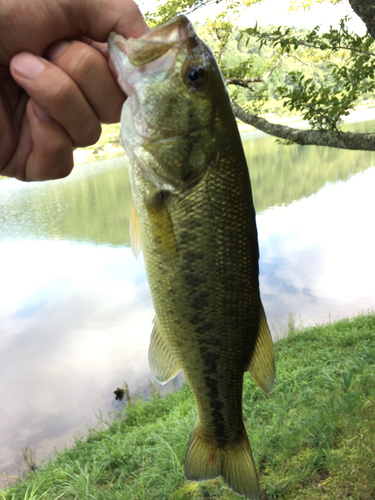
(75, 308)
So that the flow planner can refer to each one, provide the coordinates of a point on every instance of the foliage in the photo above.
(306, 4)
(320, 76)
(171, 8)
(313, 438)
(349, 61)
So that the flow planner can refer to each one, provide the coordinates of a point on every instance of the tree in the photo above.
(331, 72)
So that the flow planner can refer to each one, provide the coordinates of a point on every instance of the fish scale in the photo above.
(194, 212)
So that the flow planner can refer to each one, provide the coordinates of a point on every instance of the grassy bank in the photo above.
(313, 438)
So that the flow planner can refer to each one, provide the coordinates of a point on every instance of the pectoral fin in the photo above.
(161, 226)
(262, 363)
(135, 237)
(162, 362)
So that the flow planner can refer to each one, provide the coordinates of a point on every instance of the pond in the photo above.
(75, 308)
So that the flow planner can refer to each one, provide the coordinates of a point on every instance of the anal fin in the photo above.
(262, 364)
(163, 364)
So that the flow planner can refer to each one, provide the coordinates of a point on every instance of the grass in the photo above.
(314, 438)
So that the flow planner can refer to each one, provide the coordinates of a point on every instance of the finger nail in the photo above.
(42, 113)
(28, 65)
(57, 49)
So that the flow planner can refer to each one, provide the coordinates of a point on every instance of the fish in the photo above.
(193, 218)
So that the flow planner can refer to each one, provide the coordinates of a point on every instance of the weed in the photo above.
(29, 458)
(154, 389)
(291, 325)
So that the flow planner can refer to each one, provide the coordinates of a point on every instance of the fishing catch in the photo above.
(194, 219)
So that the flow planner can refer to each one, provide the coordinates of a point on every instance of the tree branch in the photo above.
(333, 139)
(343, 47)
(260, 79)
(335, 47)
(243, 83)
(318, 44)
(283, 56)
(299, 59)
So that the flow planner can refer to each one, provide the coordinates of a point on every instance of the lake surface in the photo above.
(75, 308)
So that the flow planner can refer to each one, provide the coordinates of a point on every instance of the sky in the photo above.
(276, 12)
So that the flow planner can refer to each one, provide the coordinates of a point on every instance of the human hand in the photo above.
(52, 104)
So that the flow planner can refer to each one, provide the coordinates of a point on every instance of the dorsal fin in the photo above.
(262, 364)
(163, 364)
(135, 237)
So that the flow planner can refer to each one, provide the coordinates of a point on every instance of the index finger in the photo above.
(50, 21)
(97, 18)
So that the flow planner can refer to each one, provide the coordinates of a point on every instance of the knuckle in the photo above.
(64, 94)
(62, 169)
(85, 62)
(112, 112)
(90, 135)
(50, 167)
(74, 113)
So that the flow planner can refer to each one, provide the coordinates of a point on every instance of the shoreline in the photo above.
(93, 153)
(359, 114)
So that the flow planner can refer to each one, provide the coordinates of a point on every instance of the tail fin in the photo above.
(233, 462)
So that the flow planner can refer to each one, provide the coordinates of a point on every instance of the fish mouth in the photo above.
(126, 55)
(153, 44)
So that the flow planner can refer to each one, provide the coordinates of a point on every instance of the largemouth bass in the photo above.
(193, 217)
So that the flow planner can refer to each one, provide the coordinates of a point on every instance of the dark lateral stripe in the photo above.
(216, 405)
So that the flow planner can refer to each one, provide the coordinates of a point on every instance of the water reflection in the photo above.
(75, 323)
(75, 309)
(92, 204)
(283, 174)
(317, 253)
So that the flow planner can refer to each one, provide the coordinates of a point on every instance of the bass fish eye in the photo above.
(196, 76)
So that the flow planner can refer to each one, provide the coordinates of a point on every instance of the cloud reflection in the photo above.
(69, 336)
(317, 253)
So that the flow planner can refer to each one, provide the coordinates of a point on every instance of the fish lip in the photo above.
(174, 30)
(119, 64)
